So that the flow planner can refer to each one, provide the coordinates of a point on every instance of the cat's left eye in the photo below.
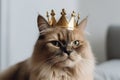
(56, 43)
(76, 43)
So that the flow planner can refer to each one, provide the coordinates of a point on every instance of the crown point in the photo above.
(78, 19)
(52, 13)
(47, 14)
(73, 14)
(72, 22)
(63, 21)
(53, 20)
(63, 12)
(78, 15)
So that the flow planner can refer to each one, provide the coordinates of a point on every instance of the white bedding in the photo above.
(109, 70)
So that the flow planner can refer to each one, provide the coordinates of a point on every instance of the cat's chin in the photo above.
(65, 63)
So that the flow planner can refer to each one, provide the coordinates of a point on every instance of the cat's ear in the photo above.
(82, 25)
(42, 23)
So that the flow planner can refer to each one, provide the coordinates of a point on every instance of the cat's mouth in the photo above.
(68, 58)
(64, 62)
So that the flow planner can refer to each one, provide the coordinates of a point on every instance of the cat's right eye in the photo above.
(56, 43)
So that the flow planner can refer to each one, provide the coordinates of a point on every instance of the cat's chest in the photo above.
(56, 75)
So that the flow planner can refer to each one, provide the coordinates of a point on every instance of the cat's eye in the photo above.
(76, 43)
(56, 43)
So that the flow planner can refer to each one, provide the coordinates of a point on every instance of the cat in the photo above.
(59, 54)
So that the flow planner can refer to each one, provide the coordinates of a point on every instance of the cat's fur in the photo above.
(55, 57)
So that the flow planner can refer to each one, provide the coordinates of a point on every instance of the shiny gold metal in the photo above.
(53, 20)
(78, 18)
(62, 22)
(72, 22)
(48, 17)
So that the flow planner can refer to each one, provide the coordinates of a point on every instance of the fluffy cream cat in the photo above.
(59, 54)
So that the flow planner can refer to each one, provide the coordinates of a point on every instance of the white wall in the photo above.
(4, 33)
(102, 13)
(20, 32)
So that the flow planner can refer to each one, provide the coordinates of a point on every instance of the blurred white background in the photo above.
(18, 27)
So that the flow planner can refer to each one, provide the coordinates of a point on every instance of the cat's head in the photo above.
(60, 47)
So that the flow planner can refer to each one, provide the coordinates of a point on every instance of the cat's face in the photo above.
(60, 47)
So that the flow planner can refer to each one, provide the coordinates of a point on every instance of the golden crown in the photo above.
(63, 20)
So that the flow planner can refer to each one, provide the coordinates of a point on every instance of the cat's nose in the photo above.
(68, 52)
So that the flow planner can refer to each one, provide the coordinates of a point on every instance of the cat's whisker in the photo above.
(48, 60)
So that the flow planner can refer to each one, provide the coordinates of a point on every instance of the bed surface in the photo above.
(109, 70)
